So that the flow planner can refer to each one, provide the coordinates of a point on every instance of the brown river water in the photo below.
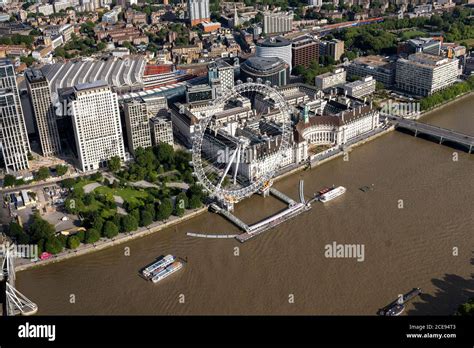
(284, 270)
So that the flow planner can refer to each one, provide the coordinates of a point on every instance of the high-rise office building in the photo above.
(157, 105)
(333, 48)
(360, 88)
(161, 126)
(304, 49)
(381, 68)
(275, 47)
(198, 11)
(278, 22)
(197, 93)
(162, 130)
(137, 124)
(424, 74)
(223, 71)
(44, 113)
(274, 70)
(95, 115)
(13, 135)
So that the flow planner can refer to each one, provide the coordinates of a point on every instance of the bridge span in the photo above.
(441, 134)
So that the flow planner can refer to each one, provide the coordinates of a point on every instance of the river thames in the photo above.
(284, 270)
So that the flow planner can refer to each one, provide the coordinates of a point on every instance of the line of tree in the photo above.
(153, 161)
(18, 39)
(42, 174)
(85, 46)
(381, 38)
(447, 94)
(39, 232)
(104, 222)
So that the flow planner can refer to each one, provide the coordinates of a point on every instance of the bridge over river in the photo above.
(443, 135)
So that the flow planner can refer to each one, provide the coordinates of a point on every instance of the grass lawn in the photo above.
(90, 207)
(97, 206)
(82, 183)
(128, 194)
(410, 34)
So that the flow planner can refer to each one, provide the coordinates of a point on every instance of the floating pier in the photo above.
(215, 236)
(273, 221)
(251, 231)
(282, 196)
(294, 209)
(231, 217)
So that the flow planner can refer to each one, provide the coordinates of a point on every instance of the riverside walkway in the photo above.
(441, 134)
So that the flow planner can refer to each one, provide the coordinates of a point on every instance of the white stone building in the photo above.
(275, 47)
(360, 88)
(95, 115)
(341, 121)
(331, 79)
(161, 130)
(46, 9)
(137, 124)
(424, 74)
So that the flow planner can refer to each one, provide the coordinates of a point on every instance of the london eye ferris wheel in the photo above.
(241, 140)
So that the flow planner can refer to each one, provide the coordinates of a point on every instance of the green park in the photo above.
(109, 203)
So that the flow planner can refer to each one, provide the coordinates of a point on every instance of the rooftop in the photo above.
(331, 73)
(263, 63)
(377, 61)
(348, 115)
(5, 62)
(423, 41)
(92, 85)
(116, 72)
(303, 40)
(360, 82)
(427, 59)
(277, 41)
(220, 63)
(35, 75)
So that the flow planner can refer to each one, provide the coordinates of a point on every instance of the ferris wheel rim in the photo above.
(240, 193)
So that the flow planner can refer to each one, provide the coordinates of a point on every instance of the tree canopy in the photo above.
(165, 209)
(40, 229)
(466, 309)
(42, 173)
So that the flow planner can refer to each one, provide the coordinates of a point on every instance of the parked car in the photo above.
(45, 255)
